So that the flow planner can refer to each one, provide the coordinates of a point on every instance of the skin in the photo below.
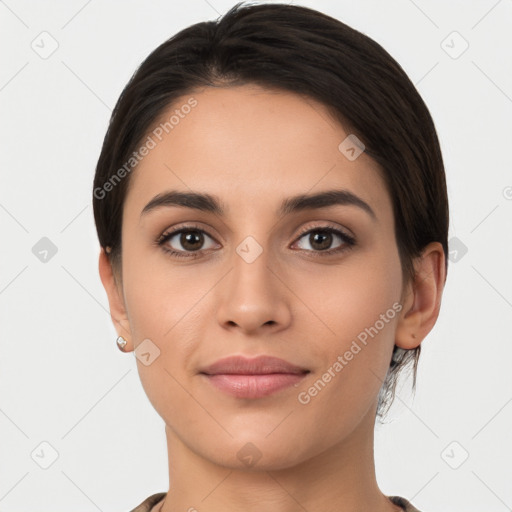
(252, 148)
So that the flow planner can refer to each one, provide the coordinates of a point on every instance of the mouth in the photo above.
(243, 377)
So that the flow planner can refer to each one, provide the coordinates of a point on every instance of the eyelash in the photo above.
(349, 241)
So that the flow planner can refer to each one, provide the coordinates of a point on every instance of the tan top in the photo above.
(150, 502)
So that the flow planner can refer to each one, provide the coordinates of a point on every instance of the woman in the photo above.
(271, 206)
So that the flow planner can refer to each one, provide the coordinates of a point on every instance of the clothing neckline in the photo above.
(154, 499)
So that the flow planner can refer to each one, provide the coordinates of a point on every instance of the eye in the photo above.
(184, 241)
(320, 240)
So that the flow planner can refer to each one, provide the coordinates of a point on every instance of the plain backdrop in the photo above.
(77, 431)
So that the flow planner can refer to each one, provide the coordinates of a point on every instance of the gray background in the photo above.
(66, 390)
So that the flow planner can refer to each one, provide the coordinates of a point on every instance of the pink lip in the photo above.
(253, 378)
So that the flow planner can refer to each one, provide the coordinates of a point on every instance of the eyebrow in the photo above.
(212, 204)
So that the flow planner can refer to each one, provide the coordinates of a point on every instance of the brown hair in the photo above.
(301, 50)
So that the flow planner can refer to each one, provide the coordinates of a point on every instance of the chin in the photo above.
(256, 454)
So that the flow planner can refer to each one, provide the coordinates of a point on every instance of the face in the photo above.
(318, 285)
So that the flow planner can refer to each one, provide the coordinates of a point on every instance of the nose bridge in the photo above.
(252, 294)
(251, 273)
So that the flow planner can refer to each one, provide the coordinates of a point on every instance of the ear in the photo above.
(115, 298)
(422, 298)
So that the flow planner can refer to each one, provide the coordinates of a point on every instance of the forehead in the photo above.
(261, 145)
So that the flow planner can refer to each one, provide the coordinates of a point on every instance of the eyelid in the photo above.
(188, 226)
(326, 225)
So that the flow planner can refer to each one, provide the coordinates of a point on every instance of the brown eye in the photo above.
(321, 239)
(186, 241)
(191, 240)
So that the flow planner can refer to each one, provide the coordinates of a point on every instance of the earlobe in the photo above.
(115, 298)
(421, 309)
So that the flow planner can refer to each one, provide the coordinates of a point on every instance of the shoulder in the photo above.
(149, 502)
(402, 502)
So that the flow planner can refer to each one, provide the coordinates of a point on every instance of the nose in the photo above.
(254, 297)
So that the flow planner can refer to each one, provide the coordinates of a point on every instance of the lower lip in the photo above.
(254, 386)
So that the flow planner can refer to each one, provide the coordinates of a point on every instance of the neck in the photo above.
(341, 478)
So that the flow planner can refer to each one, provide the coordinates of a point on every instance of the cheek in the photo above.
(165, 307)
(352, 314)
(344, 300)
(358, 323)
(160, 296)
(165, 304)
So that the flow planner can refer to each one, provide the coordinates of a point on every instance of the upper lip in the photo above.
(240, 365)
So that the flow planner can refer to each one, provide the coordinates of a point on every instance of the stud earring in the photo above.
(121, 343)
